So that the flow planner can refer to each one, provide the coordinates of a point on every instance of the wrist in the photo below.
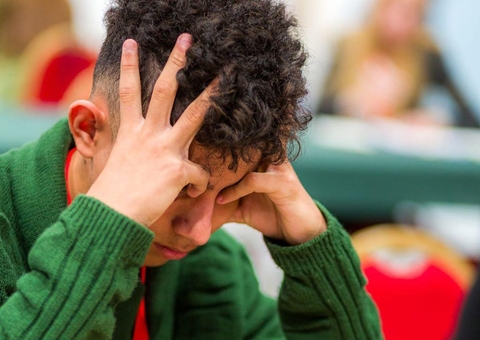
(309, 223)
(309, 232)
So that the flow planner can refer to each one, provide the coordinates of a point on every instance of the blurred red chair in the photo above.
(53, 60)
(417, 282)
(80, 87)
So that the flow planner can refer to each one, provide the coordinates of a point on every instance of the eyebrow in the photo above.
(208, 169)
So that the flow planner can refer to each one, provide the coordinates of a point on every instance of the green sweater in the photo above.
(71, 273)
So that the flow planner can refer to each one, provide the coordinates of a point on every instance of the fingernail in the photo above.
(185, 40)
(129, 45)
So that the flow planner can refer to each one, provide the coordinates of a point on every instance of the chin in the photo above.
(154, 261)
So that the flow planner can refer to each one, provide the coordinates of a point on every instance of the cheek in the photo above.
(223, 214)
(161, 226)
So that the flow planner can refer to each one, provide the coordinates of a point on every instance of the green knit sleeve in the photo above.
(79, 269)
(323, 294)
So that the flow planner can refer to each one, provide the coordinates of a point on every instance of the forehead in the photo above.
(220, 175)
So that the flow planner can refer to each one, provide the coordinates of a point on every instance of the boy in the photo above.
(170, 146)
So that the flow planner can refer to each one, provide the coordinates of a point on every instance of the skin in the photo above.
(397, 21)
(155, 174)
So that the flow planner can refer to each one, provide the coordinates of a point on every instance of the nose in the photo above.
(195, 221)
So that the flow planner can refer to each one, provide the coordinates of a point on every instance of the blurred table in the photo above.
(364, 172)
(360, 172)
(21, 125)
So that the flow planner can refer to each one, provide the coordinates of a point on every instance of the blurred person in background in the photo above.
(384, 69)
(39, 53)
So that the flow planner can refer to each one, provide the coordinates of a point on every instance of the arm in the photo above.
(323, 292)
(88, 261)
(80, 268)
(323, 295)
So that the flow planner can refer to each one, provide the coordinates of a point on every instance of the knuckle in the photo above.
(128, 65)
(127, 93)
(194, 115)
(177, 58)
(163, 89)
(128, 72)
(290, 179)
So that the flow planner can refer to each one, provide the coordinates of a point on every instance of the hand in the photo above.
(148, 165)
(275, 203)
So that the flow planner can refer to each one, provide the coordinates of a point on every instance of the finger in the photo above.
(163, 95)
(129, 88)
(253, 182)
(192, 118)
(198, 180)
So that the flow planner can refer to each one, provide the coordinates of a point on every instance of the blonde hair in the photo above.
(355, 49)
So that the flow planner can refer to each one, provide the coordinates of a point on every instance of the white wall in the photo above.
(456, 26)
(87, 19)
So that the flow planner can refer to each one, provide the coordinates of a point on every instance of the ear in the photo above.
(86, 120)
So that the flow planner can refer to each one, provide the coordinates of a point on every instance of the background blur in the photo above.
(453, 23)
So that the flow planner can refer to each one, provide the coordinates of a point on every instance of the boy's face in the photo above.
(189, 222)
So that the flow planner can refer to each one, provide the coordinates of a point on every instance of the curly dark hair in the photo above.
(253, 48)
